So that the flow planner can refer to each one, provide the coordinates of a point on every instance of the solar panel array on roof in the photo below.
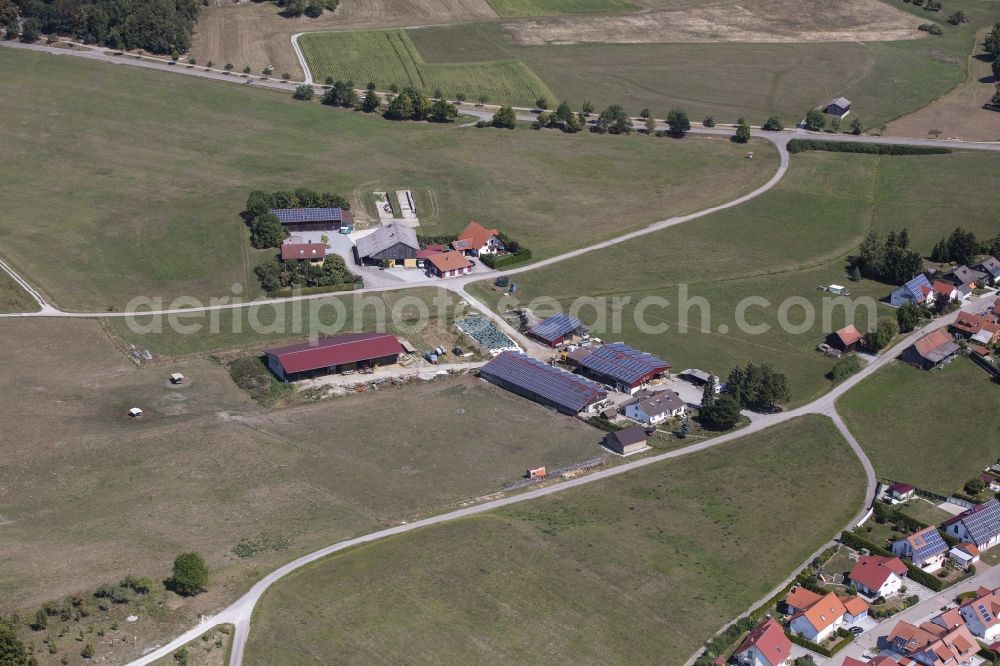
(294, 215)
(570, 391)
(983, 522)
(623, 363)
(555, 327)
(927, 544)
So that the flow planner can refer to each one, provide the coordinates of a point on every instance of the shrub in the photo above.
(709, 121)
(845, 367)
(772, 124)
(303, 92)
(190, 574)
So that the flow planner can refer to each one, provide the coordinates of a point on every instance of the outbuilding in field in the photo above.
(176, 378)
(847, 339)
(135, 412)
(839, 107)
(626, 441)
(348, 352)
(931, 350)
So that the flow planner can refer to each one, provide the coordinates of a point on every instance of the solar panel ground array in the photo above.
(388, 57)
(486, 334)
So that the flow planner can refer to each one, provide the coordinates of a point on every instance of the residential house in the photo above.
(976, 327)
(847, 339)
(964, 555)
(877, 576)
(991, 268)
(931, 350)
(915, 291)
(945, 291)
(925, 548)
(839, 107)
(933, 645)
(626, 441)
(655, 408)
(476, 239)
(296, 248)
(979, 525)
(799, 599)
(980, 614)
(819, 621)
(963, 275)
(901, 491)
(766, 645)
(449, 264)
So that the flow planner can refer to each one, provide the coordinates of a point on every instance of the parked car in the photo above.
(856, 630)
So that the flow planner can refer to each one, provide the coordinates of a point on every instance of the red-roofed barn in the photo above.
(351, 351)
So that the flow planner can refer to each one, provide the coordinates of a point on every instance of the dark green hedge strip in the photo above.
(802, 145)
(819, 649)
(493, 261)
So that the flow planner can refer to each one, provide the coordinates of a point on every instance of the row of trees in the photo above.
(757, 387)
(960, 246)
(310, 8)
(886, 259)
(159, 26)
(411, 104)
(815, 121)
(275, 274)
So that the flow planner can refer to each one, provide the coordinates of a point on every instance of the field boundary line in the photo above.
(31, 291)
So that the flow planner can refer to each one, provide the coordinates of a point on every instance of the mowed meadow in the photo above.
(622, 571)
(782, 245)
(145, 201)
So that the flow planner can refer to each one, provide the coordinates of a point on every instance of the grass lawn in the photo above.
(925, 512)
(13, 298)
(888, 413)
(669, 553)
(146, 201)
(387, 57)
(94, 496)
(553, 7)
(783, 244)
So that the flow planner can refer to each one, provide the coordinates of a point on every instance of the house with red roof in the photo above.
(296, 248)
(932, 644)
(980, 614)
(847, 339)
(877, 576)
(925, 548)
(818, 622)
(767, 645)
(476, 239)
(977, 327)
(449, 264)
(901, 491)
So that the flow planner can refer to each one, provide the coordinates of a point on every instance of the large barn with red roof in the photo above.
(328, 356)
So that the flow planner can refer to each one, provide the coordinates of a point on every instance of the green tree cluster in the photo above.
(265, 229)
(341, 93)
(275, 274)
(505, 117)
(909, 316)
(889, 260)
(773, 124)
(815, 120)
(879, 338)
(758, 387)
(678, 122)
(845, 367)
(613, 120)
(410, 104)
(742, 132)
(722, 414)
(303, 92)
(960, 246)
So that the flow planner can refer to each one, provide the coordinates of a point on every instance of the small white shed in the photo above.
(135, 412)
(177, 378)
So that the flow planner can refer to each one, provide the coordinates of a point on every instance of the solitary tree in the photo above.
(542, 103)
(303, 92)
(708, 393)
(190, 574)
(709, 121)
(483, 99)
(563, 112)
(587, 108)
(908, 317)
(41, 620)
(835, 125)
(644, 113)
(678, 122)
(228, 67)
(742, 132)
(650, 126)
(856, 126)
(371, 103)
(722, 415)
(772, 124)
(12, 650)
(885, 330)
(815, 120)
(87, 652)
(460, 97)
(505, 117)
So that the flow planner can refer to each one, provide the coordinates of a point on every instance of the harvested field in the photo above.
(781, 21)
(509, 8)
(94, 495)
(390, 58)
(623, 571)
(255, 33)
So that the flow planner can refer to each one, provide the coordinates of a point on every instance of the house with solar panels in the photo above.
(979, 525)
(915, 291)
(623, 368)
(544, 384)
(981, 614)
(926, 549)
(557, 329)
(314, 219)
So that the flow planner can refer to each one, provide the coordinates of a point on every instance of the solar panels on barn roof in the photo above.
(555, 327)
(297, 215)
(557, 386)
(623, 363)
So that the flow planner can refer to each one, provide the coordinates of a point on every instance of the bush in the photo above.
(845, 367)
(303, 92)
(501, 261)
(772, 124)
(190, 574)
(802, 145)
(709, 121)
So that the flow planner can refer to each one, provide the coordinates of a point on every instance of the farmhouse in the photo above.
(839, 107)
(476, 239)
(931, 350)
(766, 645)
(314, 219)
(392, 243)
(915, 291)
(348, 352)
(297, 249)
(876, 576)
(817, 622)
(979, 525)
(846, 339)
(925, 548)
(449, 264)
(655, 408)
(622, 367)
(546, 385)
(556, 330)
(991, 268)
(626, 441)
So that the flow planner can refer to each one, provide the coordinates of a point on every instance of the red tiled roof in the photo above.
(848, 335)
(436, 247)
(825, 612)
(427, 254)
(477, 235)
(338, 350)
(801, 598)
(770, 640)
(449, 261)
(932, 341)
(943, 288)
(873, 571)
(854, 605)
(901, 488)
(290, 251)
(851, 661)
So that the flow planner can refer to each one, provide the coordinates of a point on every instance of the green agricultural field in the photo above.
(898, 416)
(783, 244)
(147, 201)
(509, 8)
(13, 298)
(668, 553)
(389, 57)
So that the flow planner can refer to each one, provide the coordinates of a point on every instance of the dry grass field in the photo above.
(88, 495)
(718, 21)
(13, 298)
(255, 34)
